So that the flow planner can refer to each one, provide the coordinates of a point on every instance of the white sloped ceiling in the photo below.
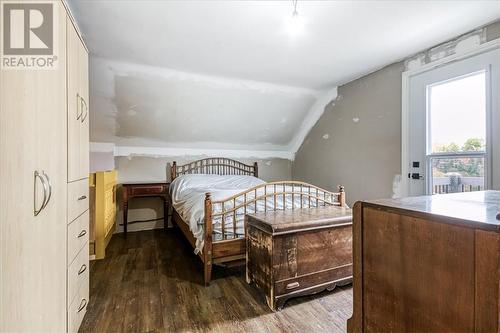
(173, 76)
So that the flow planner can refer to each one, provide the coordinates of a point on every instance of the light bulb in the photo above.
(294, 25)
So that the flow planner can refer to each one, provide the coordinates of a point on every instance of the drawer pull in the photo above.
(292, 285)
(83, 304)
(82, 233)
(82, 269)
(83, 197)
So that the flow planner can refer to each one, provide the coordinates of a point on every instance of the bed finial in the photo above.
(255, 169)
(173, 171)
(341, 196)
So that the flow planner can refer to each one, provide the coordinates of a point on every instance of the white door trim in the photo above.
(405, 103)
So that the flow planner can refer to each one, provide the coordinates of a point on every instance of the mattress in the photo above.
(187, 193)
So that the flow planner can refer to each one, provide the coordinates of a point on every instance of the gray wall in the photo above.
(101, 161)
(357, 141)
(493, 31)
(144, 168)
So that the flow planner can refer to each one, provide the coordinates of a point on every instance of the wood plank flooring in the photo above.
(152, 282)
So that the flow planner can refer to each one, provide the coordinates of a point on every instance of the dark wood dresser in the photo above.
(299, 252)
(427, 264)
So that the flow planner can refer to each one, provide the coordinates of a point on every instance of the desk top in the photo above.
(473, 209)
(139, 183)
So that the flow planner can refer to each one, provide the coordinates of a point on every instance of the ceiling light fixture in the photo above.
(294, 24)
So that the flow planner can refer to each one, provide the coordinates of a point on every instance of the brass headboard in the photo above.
(214, 166)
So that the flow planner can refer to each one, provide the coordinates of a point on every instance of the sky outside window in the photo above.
(458, 114)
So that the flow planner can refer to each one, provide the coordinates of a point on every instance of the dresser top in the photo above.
(287, 221)
(473, 209)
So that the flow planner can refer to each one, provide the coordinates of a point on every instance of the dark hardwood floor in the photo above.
(152, 282)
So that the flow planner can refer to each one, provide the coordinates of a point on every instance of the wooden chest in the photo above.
(299, 252)
(427, 264)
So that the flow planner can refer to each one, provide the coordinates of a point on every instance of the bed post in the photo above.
(173, 170)
(341, 196)
(255, 169)
(207, 247)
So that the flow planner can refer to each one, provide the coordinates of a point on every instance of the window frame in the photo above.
(486, 153)
(486, 52)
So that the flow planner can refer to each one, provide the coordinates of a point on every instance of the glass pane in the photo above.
(459, 174)
(458, 114)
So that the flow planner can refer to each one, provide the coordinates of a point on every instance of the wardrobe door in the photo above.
(75, 103)
(20, 246)
(85, 119)
(33, 246)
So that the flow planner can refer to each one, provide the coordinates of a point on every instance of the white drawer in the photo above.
(78, 198)
(78, 236)
(78, 308)
(78, 273)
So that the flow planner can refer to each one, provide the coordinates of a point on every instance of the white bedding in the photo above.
(188, 196)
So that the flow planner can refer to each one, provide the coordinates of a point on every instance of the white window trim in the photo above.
(405, 108)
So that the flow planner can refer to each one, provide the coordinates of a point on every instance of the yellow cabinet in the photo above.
(103, 211)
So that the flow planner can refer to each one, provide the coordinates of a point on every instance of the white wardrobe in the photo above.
(44, 134)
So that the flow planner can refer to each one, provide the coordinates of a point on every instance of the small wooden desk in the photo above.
(141, 190)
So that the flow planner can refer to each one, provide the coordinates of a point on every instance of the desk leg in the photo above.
(125, 216)
(165, 213)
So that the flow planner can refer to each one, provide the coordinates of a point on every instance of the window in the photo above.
(456, 134)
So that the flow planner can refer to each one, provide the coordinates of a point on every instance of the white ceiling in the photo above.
(244, 45)
(342, 39)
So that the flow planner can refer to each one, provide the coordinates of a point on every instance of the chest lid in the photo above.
(288, 221)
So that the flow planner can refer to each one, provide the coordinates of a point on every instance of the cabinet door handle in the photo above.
(82, 269)
(36, 210)
(78, 107)
(49, 189)
(82, 233)
(83, 304)
(86, 109)
(292, 285)
(83, 197)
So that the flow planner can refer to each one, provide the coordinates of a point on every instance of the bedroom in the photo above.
(287, 113)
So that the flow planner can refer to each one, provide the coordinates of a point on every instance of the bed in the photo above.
(210, 198)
